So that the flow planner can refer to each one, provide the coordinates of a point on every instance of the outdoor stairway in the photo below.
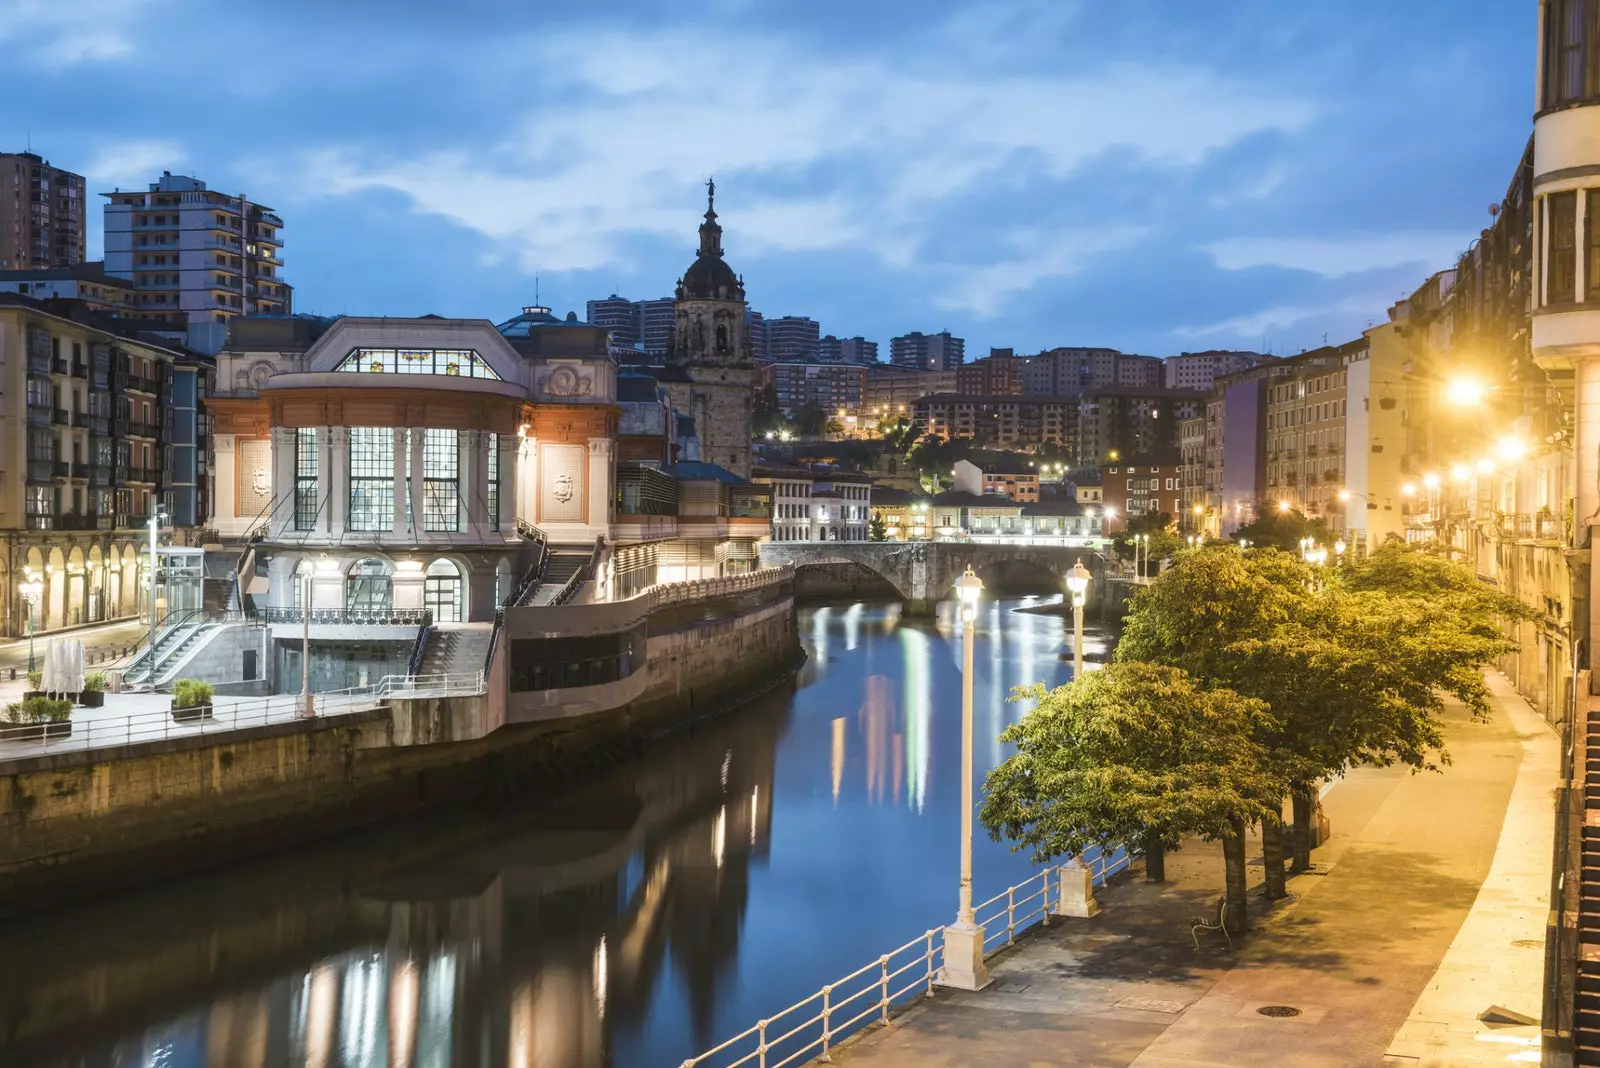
(561, 565)
(1586, 1010)
(147, 667)
(220, 586)
(456, 648)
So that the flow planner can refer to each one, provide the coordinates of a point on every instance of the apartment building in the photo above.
(209, 255)
(1116, 423)
(1012, 422)
(1068, 372)
(889, 391)
(43, 218)
(1307, 434)
(87, 283)
(928, 352)
(1200, 370)
(834, 387)
(618, 316)
(1193, 510)
(792, 337)
(992, 376)
(1144, 485)
(1022, 487)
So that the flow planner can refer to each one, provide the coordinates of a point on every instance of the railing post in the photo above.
(827, 1033)
(762, 1049)
(1011, 913)
(1044, 906)
(883, 999)
(932, 972)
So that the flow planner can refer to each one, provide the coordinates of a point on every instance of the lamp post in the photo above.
(963, 940)
(155, 523)
(308, 709)
(31, 590)
(1078, 587)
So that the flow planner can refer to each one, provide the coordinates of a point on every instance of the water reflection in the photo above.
(632, 921)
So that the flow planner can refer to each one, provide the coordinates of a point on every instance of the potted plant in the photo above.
(36, 719)
(191, 700)
(94, 690)
(35, 680)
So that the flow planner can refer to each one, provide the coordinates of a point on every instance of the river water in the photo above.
(633, 921)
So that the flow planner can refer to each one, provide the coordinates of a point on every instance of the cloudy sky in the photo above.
(1155, 175)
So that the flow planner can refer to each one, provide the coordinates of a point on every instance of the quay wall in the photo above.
(81, 823)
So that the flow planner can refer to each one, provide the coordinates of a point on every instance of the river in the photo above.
(632, 921)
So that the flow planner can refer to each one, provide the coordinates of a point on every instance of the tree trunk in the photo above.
(1155, 859)
(1234, 915)
(1272, 858)
(1305, 803)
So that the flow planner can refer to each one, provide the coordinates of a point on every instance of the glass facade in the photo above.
(463, 363)
(492, 483)
(441, 480)
(371, 478)
(563, 663)
(368, 587)
(305, 478)
(441, 592)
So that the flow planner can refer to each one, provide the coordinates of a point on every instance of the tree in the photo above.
(877, 528)
(810, 420)
(768, 417)
(899, 434)
(1283, 530)
(1157, 526)
(834, 428)
(1135, 755)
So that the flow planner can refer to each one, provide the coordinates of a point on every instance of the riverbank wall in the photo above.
(79, 823)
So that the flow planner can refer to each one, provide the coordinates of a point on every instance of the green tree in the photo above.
(768, 417)
(1284, 530)
(834, 428)
(898, 433)
(810, 420)
(1135, 755)
(1163, 542)
(877, 528)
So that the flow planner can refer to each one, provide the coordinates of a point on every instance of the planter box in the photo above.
(189, 715)
(35, 732)
(92, 698)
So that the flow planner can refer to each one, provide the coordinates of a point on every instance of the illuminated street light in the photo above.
(1511, 449)
(1408, 490)
(1078, 587)
(31, 590)
(1460, 472)
(1344, 495)
(1431, 481)
(1283, 506)
(1485, 467)
(1465, 392)
(963, 940)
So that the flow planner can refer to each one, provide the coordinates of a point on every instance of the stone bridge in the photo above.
(924, 572)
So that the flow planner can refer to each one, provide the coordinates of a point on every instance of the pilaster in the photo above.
(399, 529)
(602, 488)
(418, 439)
(335, 480)
(282, 517)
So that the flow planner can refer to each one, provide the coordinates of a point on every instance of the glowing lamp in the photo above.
(969, 587)
(1078, 581)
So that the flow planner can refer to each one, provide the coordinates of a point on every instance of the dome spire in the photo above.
(710, 232)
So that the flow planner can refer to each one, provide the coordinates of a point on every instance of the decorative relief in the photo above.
(567, 382)
(565, 488)
(253, 473)
(561, 483)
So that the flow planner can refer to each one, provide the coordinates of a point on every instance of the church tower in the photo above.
(712, 345)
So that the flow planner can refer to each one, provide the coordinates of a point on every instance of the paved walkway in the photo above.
(1425, 907)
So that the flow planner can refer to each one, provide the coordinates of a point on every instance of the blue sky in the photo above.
(1154, 176)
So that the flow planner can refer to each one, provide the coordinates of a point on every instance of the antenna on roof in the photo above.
(536, 287)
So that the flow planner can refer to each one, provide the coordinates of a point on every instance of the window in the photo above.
(371, 478)
(297, 585)
(368, 588)
(305, 478)
(1591, 242)
(441, 485)
(465, 363)
(1563, 208)
(441, 591)
(1572, 51)
(492, 487)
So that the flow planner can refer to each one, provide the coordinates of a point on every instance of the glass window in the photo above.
(1563, 264)
(1572, 51)
(441, 483)
(371, 478)
(305, 478)
(463, 363)
(1591, 242)
(492, 487)
(368, 588)
(441, 592)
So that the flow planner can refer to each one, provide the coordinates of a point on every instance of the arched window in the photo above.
(368, 588)
(297, 584)
(441, 592)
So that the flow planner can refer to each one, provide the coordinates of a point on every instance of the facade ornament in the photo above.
(566, 382)
(564, 488)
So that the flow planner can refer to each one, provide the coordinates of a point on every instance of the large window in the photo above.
(563, 663)
(305, 478)
(441, 480)
(1563, 281)
(492, 482)
(463, 363)
(368, 588)
(1572, 52)
(371, 478)
(441, 592)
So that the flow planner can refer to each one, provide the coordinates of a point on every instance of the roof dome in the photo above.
(709, 277)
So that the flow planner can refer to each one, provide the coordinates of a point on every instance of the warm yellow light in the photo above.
(1465, 392)
(1283, 506)
(1511, 449)
(1485, 466)
(1344, 495)
(1431, 481)
(1199, 510)
(1408, 490)
(1460, 472)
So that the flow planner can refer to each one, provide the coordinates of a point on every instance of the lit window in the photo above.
(371, 478)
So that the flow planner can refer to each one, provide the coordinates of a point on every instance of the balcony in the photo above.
(58, 366)
(130, 520)
(39, 363)
(141, 430)
(41, 470)
(293, 620)
(80, 369)
(142, 474)
(99, 475)
(39, 415)
(80, 420)
(141, 385)
(62, 469)
(61, 417)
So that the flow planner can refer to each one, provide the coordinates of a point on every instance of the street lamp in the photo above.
(963, 940)
(31, 590)
(1078, 587)
(1338, 551)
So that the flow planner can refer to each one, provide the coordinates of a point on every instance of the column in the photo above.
(282, 515)
(601, 485)
(399, 529)
(335, 470)
(418, 440)
(510, 499)
(470, 483)
(527, 480)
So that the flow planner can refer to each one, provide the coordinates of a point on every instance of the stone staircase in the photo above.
(456, 648)
(562, 564)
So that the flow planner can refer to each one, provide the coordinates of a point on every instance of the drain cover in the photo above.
(1278, 1010)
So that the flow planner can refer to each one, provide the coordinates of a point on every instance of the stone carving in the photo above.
(261, 481)
(253, 472)
(567, 382)
(564, 488)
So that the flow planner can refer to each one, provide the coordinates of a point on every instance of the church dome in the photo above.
(709, 277)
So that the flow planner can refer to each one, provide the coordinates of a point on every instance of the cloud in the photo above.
(67, 32)
(133, 162)
(812, 151)
(1334, 257)
(1252, 325)
(984, 291)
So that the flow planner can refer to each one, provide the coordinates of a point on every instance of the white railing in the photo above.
(700, 589)
(813, 1025)
(159, 724)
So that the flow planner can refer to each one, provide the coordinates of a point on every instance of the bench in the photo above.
(1201, 923)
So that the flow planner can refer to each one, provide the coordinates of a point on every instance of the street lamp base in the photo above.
(963, 958)
(1077, 892)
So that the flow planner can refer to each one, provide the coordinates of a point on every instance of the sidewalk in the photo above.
(1420, 913)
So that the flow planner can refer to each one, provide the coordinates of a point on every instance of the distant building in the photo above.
(1142, 486)
(791, 500)
(657, 320)
(792, 337)
(619, 316)
(928, 352)
(829, 349)
(834, 387)
(858, 350)
(760, 349)
(1022, 487)
(890, 391)
(42, 214)
(1200, 370)
(1010, 421)
(1113, 424)
(995, 375)
(1068, 372)
(86, 282)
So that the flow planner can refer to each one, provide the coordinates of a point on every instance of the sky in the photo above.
(1152, 176)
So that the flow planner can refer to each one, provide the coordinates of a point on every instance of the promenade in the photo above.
(1426, 907)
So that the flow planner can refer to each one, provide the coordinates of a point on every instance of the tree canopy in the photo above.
(1284, 530)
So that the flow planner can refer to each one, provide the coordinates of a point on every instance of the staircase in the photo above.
(220, 585)
(1586, 996)
(563, 563)
(178, 636)
(456, 649)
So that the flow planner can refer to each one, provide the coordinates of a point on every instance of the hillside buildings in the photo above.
(43, 217)
(928, 352)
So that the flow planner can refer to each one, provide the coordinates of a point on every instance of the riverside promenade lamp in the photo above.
(963, 940)
(31, 590)
(1078, 587)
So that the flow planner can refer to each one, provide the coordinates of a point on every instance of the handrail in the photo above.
(375, 617)
(419, 649)
(581, 575)
(871, 991)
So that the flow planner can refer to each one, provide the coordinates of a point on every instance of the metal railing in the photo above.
(159, 724)
(699, 589)
(580, 576)
(813, 1025)
(373, 617)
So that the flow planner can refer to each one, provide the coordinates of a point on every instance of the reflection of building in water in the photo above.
(529, 950)
(878, 722)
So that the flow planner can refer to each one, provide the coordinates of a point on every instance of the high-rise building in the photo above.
(618, 315)
(759, 349)
(1067, 372)
(992, 376)
(210, 255)
(1200, 370)
(41, 214)
(928, 352)
(792, 337)
(833, 387)
(657, 321)
(830, 349)
(858, 350)
(1121, 423)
